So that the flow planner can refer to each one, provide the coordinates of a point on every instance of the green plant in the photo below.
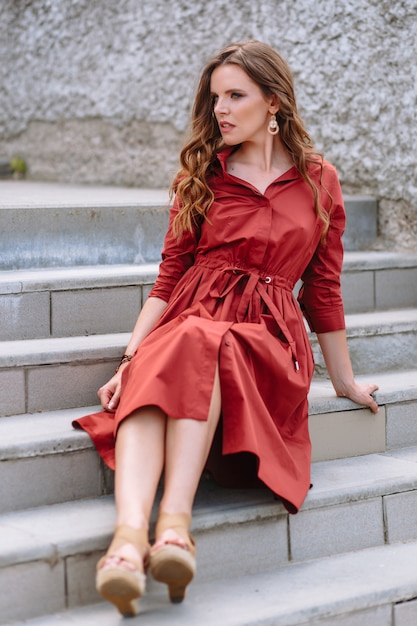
(18, 165)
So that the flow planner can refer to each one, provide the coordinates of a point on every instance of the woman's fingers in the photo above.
(362, 394)
(106, 394)
(113, 404)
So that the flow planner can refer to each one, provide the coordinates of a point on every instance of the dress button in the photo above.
(268, 279)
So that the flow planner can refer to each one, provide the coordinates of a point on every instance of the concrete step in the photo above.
(378, 341)
(377, 281)
(65, 372)
(45, 461)
(48, 554)
(49, 224)
(71, 301)
(85, 300)
(372, 587)
(45, 374)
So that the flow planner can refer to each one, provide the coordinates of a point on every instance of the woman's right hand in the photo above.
(151, 311)
(109, 393)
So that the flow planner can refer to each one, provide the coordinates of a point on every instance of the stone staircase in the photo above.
(76, 264)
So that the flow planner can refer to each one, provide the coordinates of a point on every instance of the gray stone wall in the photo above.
(100, 91)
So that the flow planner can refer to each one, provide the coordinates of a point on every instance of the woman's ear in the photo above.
(274, 104)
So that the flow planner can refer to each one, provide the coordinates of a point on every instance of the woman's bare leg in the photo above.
(140, 445)
(188, 444)
(146, 441)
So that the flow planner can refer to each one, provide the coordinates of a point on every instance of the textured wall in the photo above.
(99, 91)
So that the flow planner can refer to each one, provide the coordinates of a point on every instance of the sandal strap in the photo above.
(138, 537)
(180, 522)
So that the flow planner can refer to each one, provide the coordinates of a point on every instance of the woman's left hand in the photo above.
(361, 393)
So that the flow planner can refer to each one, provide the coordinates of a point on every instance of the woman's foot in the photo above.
(121, 572)
(172, 557)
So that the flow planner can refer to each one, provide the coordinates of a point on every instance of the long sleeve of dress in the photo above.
(320, 297)
(177, 257)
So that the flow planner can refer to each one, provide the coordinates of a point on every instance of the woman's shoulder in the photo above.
(317, 164)
(323, 172)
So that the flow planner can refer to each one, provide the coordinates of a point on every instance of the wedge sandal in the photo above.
(171, 563)
(117, 584)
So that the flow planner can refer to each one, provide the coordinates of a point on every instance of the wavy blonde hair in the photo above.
(273, 75)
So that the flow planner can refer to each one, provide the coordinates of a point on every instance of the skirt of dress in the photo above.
(262, 437)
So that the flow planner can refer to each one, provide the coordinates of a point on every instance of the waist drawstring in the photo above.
(256, 282)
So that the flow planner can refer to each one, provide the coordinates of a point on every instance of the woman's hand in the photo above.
(361, 393)
(152, 310)
(109, 393)
(336, 355)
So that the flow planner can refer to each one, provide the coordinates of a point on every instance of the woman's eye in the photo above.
(236, 95)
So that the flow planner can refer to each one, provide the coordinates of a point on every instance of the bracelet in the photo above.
(125, 359)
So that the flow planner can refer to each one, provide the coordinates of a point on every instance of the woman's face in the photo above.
(241, 109)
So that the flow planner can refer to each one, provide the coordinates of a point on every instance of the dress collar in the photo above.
(223, 155)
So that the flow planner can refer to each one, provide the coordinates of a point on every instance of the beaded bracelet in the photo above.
(125, 359)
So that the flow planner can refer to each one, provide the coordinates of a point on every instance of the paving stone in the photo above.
(358, 291)
(59, 477)
(12, 392)
(24, 316)
(31, 589)
(95, 311)
(401, 516)
(396, 288)
(405, 614)
(66, 386)
(402, 424)
(80, 577)
(322, 532)
(244, 548)
(347, 433)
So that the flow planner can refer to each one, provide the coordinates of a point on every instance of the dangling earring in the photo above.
(273, 127)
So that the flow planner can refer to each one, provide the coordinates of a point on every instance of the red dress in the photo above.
(230, 301)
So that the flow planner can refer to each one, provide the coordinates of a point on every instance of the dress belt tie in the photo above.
(256, 282)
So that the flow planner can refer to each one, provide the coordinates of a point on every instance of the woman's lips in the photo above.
(226, 127)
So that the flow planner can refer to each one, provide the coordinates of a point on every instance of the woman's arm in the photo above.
(336, 356)
(151, 311)
(177, 257)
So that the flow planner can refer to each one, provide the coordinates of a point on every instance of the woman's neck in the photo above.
(266, 157)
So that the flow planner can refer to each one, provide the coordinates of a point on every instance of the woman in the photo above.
(221, 335)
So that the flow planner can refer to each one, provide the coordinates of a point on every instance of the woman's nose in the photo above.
(220, 106)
